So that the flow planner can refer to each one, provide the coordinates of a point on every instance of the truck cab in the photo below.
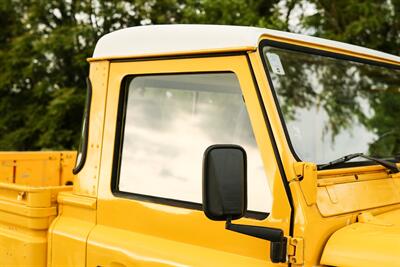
(208, 145)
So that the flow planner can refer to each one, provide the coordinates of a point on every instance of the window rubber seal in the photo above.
(79, 165)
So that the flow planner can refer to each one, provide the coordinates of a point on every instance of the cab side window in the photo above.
(168, 121)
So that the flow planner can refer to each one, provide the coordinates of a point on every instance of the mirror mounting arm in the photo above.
(278, 240)
(266, 233)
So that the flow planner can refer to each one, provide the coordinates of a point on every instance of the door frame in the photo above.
(113, 219)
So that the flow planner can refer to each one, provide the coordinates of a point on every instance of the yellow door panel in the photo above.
(135, 249)
(133, 231)
(68, 234)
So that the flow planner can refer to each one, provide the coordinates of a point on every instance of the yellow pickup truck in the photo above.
(217, 146)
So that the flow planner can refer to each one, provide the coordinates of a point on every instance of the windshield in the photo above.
(333, 107)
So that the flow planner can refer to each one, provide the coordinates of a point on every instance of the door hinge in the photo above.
(296, 250)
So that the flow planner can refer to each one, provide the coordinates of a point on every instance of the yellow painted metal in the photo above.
(26, 213)
(329, 49)
(129, 248)
(296, 250)
(37, 168)
(130, 232)
(67, 162)
(286, 157)
(87, 179)
(309, 223)
(325, 180)
(374, 241)
(29, 185)
(77, 210)
(347, 197)
(68, 234)
(307, 175)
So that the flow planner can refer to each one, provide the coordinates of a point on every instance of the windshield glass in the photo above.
(333, 107)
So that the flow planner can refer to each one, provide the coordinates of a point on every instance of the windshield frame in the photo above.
(319, 52)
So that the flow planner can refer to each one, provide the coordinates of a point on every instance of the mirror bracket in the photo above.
(275, 235)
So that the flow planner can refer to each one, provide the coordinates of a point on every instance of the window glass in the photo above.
(333, 107)
(170, 121)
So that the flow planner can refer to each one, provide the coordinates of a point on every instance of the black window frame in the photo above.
(318, 52)
(118, 146)
(84, 142)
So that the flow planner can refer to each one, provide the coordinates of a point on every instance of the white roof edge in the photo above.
(181, 38)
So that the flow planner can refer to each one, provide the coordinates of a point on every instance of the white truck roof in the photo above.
(185, 38)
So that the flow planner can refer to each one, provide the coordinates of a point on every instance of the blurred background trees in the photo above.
(44, 45)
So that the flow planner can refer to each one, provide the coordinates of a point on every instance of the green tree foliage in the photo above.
(374, 24)
(44, 45)
(370, 23)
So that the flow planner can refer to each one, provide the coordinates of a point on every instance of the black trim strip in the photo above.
(181, 204)
(318, 52)
(275, 148)
(216, 54)
(324, 53)
(351, 164)
(118, 146)
(79, 165)
(278, 107)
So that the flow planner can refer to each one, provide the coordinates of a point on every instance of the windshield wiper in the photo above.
(387, 164)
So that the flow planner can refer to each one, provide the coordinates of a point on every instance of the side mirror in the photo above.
(225, 195)
(224, 182)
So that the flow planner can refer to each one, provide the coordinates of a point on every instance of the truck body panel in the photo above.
(37, 168)
(85, 186)
(373, 241)
(70, 230)
(28, 194)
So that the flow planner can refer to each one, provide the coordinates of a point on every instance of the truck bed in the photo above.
(29, 184)
(37, 168)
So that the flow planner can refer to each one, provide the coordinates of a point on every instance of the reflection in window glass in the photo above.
(333, 107)
(170, 121)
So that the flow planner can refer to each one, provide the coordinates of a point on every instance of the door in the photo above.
(161, 116)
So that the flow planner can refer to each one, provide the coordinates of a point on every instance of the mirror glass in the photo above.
(224, 182)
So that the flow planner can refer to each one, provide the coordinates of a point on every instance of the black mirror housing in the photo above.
(224, 182)
(225, 196)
